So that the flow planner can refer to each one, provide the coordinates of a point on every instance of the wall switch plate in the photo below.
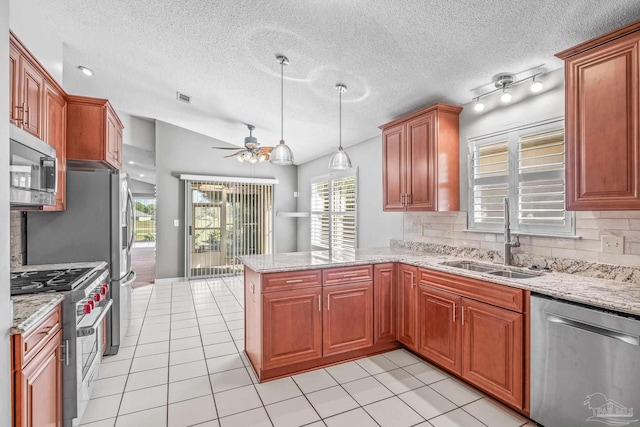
(613, 244)
(176, 223)
(296, 194)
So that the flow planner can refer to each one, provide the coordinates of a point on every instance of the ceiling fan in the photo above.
(252, 151)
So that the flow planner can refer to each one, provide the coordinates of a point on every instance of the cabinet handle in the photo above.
(408, 199)
(294, 281)
(328, 302)
(402, 199)
(463, 315)
(319, 303)
(412, 281)
(454, 313)
(15, 110)
(27, 113)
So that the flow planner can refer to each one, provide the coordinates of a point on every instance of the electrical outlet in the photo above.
(176, 223)
(613, 244)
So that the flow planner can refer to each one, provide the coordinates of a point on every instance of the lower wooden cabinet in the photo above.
(439, 327)
(292, 327)
(384, 303)
(348, 318)
(407, 298)
(37, 375)
(480, 342)
(492, 350)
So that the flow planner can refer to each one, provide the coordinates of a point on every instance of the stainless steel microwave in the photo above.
(33, 170)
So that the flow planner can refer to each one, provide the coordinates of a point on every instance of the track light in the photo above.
(536, 85)
(506, 96)
(479, 106)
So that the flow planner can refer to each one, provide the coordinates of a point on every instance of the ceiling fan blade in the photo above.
(225, 148)
(266, 150)
(234, 154)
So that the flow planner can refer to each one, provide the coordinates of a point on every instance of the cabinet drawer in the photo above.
(491, 293)
(291, 280)
(339, 276)
(34, 341)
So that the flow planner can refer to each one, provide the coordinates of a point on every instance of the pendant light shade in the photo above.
(340, 159)
(281, 154)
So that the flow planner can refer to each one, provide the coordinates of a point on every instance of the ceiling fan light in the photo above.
(281, 155)
(240, 158)
(340, 160)
(261, 158)
(247, 156)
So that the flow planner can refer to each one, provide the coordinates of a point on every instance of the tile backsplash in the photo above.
(18, 237)
(448, 228)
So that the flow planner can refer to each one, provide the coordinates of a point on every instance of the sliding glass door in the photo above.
(226, 218)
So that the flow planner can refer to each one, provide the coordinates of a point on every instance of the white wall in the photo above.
(375, 227)
(138, 132)
(5, 320)
(179, 151)
(30, 25)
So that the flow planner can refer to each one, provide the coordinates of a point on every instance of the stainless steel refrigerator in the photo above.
(98, 225)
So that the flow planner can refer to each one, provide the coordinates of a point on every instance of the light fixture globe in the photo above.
(479, 105)
(536, 85)
(506, 96)
(282, 154)
(340, 160)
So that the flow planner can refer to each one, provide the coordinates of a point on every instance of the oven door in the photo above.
(89, 335)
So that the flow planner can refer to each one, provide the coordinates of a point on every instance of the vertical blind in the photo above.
(226, 219)
(334, 211)
(528, 166)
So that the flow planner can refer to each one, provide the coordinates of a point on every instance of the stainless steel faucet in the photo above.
(508, 243)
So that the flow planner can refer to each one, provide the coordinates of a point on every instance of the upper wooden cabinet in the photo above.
(27, 81)
(603, 121)
(94, 133)
(420, 156)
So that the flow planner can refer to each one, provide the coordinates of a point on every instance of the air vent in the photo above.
(184, 98)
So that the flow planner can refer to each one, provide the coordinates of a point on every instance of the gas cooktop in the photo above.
(30, 282)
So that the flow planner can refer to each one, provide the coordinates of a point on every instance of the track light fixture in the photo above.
(502, 83)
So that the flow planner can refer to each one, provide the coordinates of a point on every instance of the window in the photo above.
(527, 166)
(333, 211)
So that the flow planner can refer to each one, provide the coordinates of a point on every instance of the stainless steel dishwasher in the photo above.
(585, 365)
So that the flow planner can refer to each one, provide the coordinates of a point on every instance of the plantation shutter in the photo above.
(490, 183)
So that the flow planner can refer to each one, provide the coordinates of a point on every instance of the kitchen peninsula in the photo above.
(304, 310)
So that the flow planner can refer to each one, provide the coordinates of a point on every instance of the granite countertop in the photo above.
(30, 310)
(608, 294)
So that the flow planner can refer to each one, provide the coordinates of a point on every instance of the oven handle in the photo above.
(90, 330)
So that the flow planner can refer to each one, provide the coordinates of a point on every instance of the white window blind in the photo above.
(334, 211)
(528, 166)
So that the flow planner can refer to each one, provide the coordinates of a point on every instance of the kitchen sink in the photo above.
(467, 265)
(489, 269)
(513, 274)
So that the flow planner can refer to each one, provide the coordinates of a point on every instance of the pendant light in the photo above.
(340, 159)
(281, 154)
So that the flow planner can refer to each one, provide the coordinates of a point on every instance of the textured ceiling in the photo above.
(394, 55)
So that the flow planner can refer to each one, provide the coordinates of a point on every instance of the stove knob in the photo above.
(104, 289)
(92, 304)
(97, 297)
(88, 307)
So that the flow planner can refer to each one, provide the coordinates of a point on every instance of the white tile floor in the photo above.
(181, 365)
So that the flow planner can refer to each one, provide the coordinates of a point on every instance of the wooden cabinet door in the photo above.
(421, 166)
(32, 98)
(602, 127)
(439, 327)
(394, 173)
(55, 134)
(39, 388)
(493, 350)
(407, 305)
(292, 327)
(113, 141)
(348, 317)
(384, 303)
(15, 114)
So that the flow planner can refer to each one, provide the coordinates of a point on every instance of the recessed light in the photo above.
(131, 162)
(85, 70)
(141, 175)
